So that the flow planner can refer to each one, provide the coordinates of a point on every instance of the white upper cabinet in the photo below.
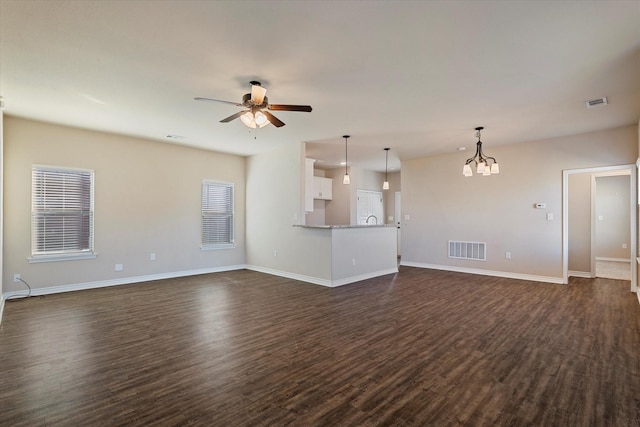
(322, 188)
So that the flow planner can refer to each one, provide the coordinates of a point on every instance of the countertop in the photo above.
(331, 227)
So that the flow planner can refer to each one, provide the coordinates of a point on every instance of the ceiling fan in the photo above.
(257, 104)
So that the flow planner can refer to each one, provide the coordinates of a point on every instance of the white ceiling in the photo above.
(417, 77)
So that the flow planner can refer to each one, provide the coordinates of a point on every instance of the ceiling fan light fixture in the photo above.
(261, 119)
(248, 119)
(257, 93)
(257, 104)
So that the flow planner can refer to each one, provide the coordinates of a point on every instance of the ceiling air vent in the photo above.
(593, 103)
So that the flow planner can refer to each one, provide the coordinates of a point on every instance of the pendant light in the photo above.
(485, 165)
(346, 179)
(385, 186)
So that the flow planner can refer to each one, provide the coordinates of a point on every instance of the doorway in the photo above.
(397, 213)
(628, 172)
(610, 225)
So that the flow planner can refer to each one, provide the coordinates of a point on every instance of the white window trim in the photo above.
(61, 257)
(68, 256)
(219, 246)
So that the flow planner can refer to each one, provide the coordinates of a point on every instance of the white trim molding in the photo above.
(122, 281)
(506, 274)
(2, 299)
(323, 282)
(584, 274)
(603, 258)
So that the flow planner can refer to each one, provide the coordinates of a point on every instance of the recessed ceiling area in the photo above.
(417, 77)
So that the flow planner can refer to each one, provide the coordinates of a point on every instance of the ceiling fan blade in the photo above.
(282, 107)
(218, 100)
(257, 94)
(233, 116)
(273, 119)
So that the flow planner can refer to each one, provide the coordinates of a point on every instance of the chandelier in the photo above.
(485, 165)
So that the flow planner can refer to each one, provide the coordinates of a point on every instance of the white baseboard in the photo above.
(358, 278)
(584, 274)
(319, 281)
(289, 275)
(604, 258)
(1, 307)
(123, 281)
(508, 275)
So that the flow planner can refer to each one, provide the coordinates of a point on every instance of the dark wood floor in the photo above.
(421, 347)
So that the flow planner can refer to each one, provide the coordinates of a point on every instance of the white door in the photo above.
(397, 219)
(369, 207)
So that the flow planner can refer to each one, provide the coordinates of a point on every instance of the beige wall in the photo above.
(444, 205)
(275, 185)
(390, 197)
(338, 210)
(612, 217)
(580, 223)
(147, 200)
(637, 211)
(3, 287)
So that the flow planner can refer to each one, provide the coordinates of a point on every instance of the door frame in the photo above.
(633, 200)
(397, 200)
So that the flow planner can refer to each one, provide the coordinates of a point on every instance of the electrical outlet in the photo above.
(16, 278)
(624, 246)
(119, 267)
(507, 255)
(152, 257)
(353, 261)
(275, 252)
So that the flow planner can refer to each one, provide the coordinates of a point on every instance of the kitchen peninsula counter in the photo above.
(355, 252)
(346, 226)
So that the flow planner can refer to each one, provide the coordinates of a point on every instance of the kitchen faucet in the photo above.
(375, 217)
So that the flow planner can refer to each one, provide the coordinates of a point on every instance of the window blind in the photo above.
(217, 214)
(62, 211)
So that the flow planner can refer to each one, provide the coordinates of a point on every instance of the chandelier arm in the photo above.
(477, 155)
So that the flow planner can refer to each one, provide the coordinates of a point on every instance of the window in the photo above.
(369, 207)
(217, 215)
(61, 214)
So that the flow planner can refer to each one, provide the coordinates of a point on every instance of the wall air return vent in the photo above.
(468, 250)
(593, 103)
